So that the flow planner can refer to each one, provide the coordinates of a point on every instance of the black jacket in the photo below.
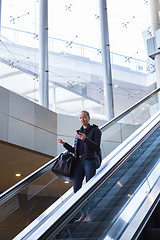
(91, 143)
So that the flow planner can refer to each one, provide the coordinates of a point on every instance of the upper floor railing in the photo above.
(79, 50)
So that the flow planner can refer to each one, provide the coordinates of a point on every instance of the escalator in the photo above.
(120, 192)
(45, 207)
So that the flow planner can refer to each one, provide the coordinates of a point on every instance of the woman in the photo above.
(86, 147)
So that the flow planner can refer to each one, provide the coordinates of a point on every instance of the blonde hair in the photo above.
(84, 111)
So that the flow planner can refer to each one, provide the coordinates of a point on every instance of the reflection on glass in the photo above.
(123, 128)
(28, 204)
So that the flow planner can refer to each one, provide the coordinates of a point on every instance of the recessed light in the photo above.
(66, 182)
(18, 175)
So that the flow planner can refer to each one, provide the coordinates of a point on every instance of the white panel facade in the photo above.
(45, 119)
(45, 142)
(20, 133)
(21, 108)
(3, 127)
(4, 100)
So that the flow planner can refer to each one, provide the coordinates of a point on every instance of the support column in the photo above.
(0, 16)
(54, 99)
(106, 63)
(43, 53)
(155, 25)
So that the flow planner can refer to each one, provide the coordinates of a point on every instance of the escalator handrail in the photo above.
(37, 228)
(31, 177)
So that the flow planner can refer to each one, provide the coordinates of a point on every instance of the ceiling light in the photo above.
(66, 182)
(18, 175)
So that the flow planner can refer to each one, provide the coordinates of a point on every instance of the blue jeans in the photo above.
(83, 168)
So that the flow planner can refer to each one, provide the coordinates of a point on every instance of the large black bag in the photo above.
(64, 166)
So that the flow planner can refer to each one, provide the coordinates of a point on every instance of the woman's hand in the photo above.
(60, 141)
(81, 136)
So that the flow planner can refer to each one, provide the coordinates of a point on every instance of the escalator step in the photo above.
(82, 231)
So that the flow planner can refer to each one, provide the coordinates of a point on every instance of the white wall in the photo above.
(27, 124)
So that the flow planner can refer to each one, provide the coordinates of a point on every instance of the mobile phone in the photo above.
(78, 131)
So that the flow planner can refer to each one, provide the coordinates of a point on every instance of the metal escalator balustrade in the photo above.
(116, 192)
(41, 184)
(152, 226)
